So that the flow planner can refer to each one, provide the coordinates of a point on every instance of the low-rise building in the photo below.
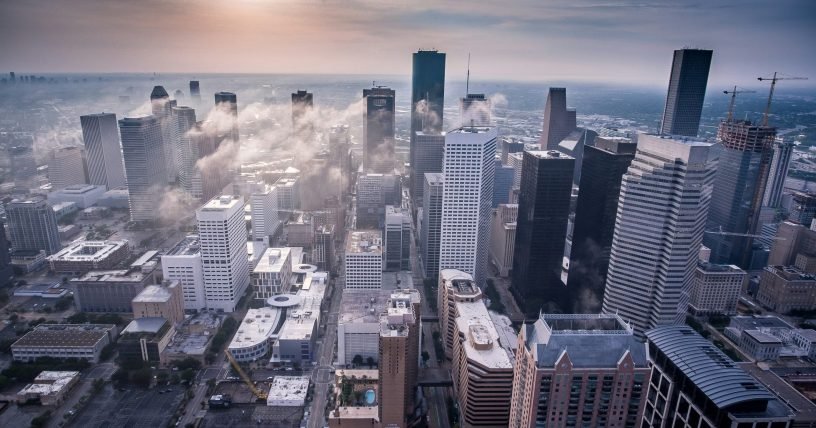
(273, 273)
(63, 209)
(162, 301)
(94, 213)
(258, 329)
(49, 388)
(46, 291)
(786, 288)
(109, 290)
(806, 340)
(83, 256)
(28, 261)
(68, 231)
(83, 195)
(716, 289)
(145, 339)
(296, 341)
(759, 345)
(288, 391)
(84, 341)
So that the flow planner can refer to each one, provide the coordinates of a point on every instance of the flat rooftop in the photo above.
(763, 337)
(88, 251)
(64, 335)
(755, 322)
(804, 409)
(79, 189)
(585, 324)
(482, 344)
(715, 268)
(221, 203)
(153, 294)
(273, 260)
(300, 320)
(364, 241)
(258, 326)
(121, 275)
(49, 382)
(289, 388)
(548, 154)
(145, 325)
(186, 247)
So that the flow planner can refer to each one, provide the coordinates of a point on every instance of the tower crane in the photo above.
(733, 98)
(258, 393)
(746, 235)
(773, 80)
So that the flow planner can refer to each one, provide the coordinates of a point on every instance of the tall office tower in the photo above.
(687, 86)
(23, 164)
(364, 259)
(265, 220)
(207, 181)
(595, 213)
(558, 120)
(6, 272)
(503, 238)
(195, 90)
(509, 145)
(739, 185)
(468, 171)
(782, 153)
(693, 383)
(576, 367)
(340, 157)
(397, 236)
(431, 223)
(374, 192)
(378, 129)
(185, 151)
(66, 166)
(223, 239)
(653, 257)
(541, 232)
(104, 154)
(302, 103)
(427, 158)
(515, 160)
(12, 77)
(573, 145)
(227, 102)
(427, 99)
(183, 264)
(398, 359)
(323, 253)
(143, 153)
(162, 107)
(481, 350)
(503, 183)
(474, 110)
(33, 225)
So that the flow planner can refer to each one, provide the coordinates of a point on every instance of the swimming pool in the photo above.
(370, 397)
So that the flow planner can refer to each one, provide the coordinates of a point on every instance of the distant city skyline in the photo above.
(624, 41)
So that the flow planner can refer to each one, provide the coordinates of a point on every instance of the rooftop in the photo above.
(715, 268)
(755, 322)
(186, 247)
(64, 335)
(300, 319)
(153, 294)
(88, 251)
(221, 203)
(79, 189)
(482, 345)
(708, 368)
(145, 325)
(273, 260)
(122, 275)
(763, 337)
(364, 241)
(258, 325)
(49, 382)
(548, 154)
(804, 409)
(289, 388)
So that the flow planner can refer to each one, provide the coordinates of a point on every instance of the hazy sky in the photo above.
(598, 40)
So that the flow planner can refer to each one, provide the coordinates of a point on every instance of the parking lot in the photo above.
(258, 416)
(133, 408)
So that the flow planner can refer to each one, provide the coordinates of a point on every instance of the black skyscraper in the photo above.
(6, 272)
(195, 90)
(603, 168)
(378, 129)
(228, 102)
(427, 97)
(687, 86)
(302, 102)
(541, 231)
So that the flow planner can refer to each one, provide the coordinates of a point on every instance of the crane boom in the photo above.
(258, 393)
(773, 80)
(733, 98)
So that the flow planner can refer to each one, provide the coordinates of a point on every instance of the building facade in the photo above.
(364, 259)
(716, 289)
(378, 129)
(558, 120)
(687, 86)
(428, 150)
(397, 239)
(431, 223)
(66, 166)
(786, 288)
(109, 290)
(33, 225)
(503, 238)
(144, 157)
(427, 107)
(101, 136)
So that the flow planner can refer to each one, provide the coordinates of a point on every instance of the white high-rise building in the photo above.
(662, 212)
(223, 238)
(101, 136)
(265, 219)
(185, 153)
(183, 264)
(364, 259)
(782, 153)
(467, 199)
(143, 152)
(66, 166)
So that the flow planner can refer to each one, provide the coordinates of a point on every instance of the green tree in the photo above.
(188, 375)
(370, 361)
(142, 377)
(425, 357)
(357, 360)
(42, 420)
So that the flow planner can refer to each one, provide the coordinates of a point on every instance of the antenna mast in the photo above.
(467, 81)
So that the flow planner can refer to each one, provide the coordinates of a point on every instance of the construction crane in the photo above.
(773, 80)
(733, 98)
(258, 393)
(747, 235)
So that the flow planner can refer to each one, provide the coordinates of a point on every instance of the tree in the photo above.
(188, 363)
(425, 357)
(141, 377)
(357, 360)
(188, 375)
(162, 377)
(98, 384)
(370, 361)
(41, 421)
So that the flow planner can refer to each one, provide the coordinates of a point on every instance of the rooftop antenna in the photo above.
(467, 81)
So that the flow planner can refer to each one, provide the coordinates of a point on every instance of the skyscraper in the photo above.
(66, 166)
(143, 153)
(302, 102)
(374, 192)
(653, 256)
(739, 187)
(431, 222)
(398, 358)
(595, 212)
(6, 272)
(558, 120)
(428, 152)
(22, 162)
(378, 129)
(162, 107)
(503, 184)
(474, 110)
(427, 97)
(340, 158)
(195, 90)
(541, 232)
(186, 154)
(227, 102)
(222, 236)
(101, 136)
(265, 218)
(468, 171)
(782, 152)
(33, 225)
(397, 239)
(687, 86)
